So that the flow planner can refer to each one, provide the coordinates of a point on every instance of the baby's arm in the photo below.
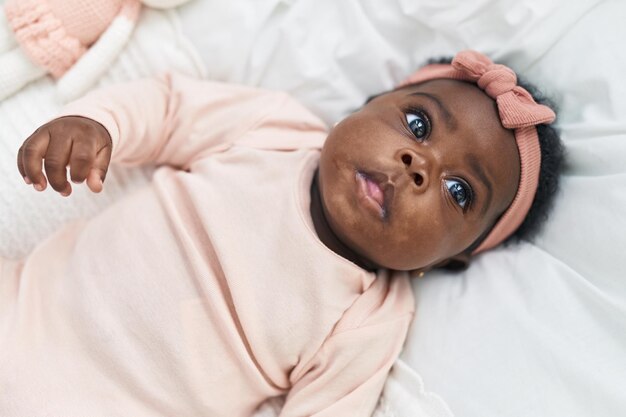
(173, 120)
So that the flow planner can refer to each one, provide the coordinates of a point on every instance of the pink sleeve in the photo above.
(176, 120)
(346, 376)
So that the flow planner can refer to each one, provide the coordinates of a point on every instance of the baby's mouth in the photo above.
(376, 191)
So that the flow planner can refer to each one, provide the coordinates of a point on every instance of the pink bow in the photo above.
(516, 106)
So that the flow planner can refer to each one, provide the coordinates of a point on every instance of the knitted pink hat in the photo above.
(517, 110)
(54, 34)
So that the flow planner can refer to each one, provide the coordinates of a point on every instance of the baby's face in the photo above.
(417, 175)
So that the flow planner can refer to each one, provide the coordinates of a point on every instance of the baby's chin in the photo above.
(357, 231)
(373, 251)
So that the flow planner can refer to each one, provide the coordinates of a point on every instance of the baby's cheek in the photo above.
(343, 219)
(420, 242)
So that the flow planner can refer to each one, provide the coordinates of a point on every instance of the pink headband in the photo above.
(518, 111)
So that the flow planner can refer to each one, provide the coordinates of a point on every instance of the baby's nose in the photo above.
(416, 166)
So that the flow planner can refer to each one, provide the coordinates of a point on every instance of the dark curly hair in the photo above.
(552, 162)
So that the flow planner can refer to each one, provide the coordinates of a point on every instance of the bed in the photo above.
(535, 329)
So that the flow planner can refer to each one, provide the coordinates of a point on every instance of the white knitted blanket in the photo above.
(26, 216)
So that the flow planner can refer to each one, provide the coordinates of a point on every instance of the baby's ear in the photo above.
(456, 263)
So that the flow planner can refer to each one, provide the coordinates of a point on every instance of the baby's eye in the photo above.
(459, 191)
(418, 123)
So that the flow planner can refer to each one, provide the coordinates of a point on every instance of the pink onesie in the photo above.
(208, 291)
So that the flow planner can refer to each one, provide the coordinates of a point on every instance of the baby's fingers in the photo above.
(99, 170)
(56, 160)
(29, 158)
(83, 157)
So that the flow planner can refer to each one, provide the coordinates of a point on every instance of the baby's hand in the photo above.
(80, 143)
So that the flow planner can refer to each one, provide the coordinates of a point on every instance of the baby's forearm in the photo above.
(137, 115)
(175, 120)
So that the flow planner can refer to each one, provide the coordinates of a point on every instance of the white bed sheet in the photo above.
(540, 330)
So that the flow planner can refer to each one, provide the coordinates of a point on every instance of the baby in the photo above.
(268, 256)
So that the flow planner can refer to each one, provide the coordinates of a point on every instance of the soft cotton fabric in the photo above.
(208, 291)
